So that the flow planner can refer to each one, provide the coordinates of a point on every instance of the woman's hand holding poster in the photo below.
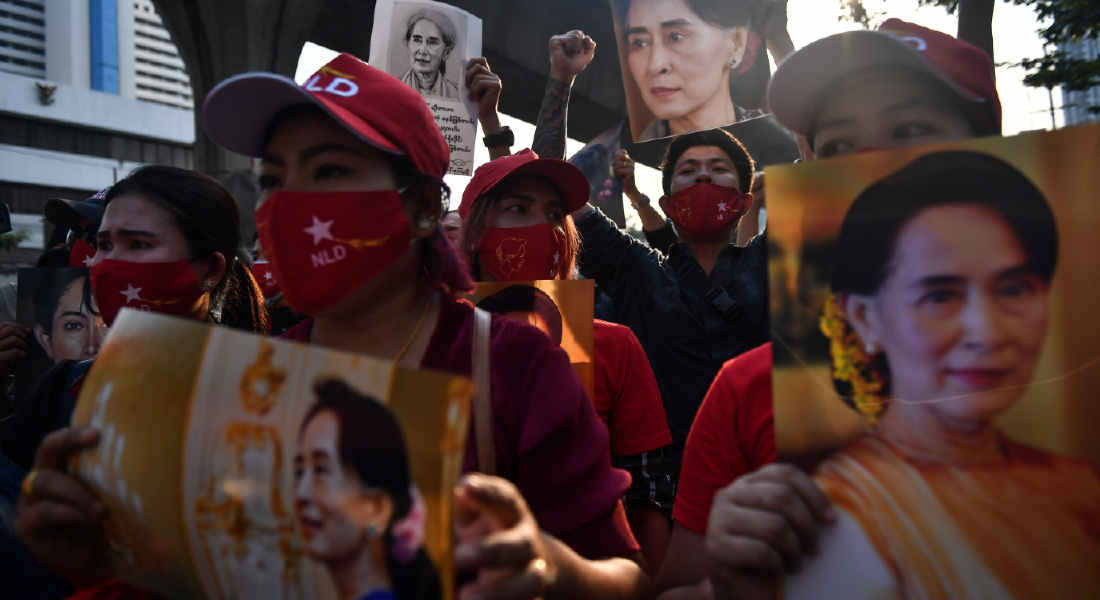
(238, 466)
(937, 356)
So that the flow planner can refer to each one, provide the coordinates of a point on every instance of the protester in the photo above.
(81, 219)
(705, 302)
(381, 285)
(518, 227)
(900, 86)
(167, 234)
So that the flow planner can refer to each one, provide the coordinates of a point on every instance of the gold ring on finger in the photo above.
(28, 484)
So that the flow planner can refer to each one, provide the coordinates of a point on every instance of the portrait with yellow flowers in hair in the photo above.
(937, 352)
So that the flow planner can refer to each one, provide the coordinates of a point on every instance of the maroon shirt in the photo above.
(549, 441)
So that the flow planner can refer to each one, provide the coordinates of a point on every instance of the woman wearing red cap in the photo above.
(518, 227)
(353, 166)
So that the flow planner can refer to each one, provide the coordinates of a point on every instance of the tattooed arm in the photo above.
(569, 55)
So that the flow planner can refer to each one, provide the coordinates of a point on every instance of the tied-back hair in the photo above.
(866, 244)
(371, 445)
(718, 138)
(208, 217)
(481, 216)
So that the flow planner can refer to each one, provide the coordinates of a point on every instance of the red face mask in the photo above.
(265, 276)
(705, 209)
(81, 254)
(325, 245)
(523, 253)
(170, 288)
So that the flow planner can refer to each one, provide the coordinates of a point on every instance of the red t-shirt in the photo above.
(733, 434)
(627, 398)
(549, 441)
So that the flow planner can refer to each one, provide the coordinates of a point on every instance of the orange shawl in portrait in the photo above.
(1025, 528)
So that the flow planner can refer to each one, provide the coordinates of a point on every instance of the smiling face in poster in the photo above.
(950, 318)
(679, 55)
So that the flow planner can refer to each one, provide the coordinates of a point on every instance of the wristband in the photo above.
(504, 138)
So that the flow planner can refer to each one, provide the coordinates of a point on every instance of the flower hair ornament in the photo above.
(408, 533)
(857, 375)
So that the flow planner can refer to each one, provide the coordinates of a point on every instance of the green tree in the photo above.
(1065, 21)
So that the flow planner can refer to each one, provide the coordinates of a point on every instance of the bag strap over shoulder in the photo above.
(483, 394)
(693, 276)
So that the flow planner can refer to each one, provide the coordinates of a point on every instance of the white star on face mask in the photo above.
(320, 230)
(268, 276)
(131, 293)
(722, 206)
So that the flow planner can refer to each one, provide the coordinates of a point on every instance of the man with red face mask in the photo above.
(706, 301)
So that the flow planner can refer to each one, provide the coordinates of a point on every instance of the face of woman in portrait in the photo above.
(333, 508)
(681, 63)
(961, 318)
(426, 48)
(76, 333)
(527, 200)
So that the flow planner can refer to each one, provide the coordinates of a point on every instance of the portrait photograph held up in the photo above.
(678, 58)
(285, 472)
(936, 360)
(427, 45)
(56, 304)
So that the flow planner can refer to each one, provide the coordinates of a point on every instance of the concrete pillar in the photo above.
(68, 40)
(221, 38)
(126, 84)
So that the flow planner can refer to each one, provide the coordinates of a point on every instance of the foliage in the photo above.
(11, 240)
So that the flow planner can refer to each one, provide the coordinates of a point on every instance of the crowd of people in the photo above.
(665, 483)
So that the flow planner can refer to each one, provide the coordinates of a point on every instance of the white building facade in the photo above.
(89, 89)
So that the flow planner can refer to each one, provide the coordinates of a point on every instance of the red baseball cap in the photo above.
(569, 179)
(377, 107)
(799, 82)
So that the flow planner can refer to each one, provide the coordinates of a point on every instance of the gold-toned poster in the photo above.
(937, 356)
(561, 309)
(235, 466)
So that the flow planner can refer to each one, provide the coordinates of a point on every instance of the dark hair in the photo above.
(979, 115)
(481, 215)
(372, 445)
(209, 219)
(51, 286)
(868, 236)
(719, 138)
(725, 14)
(54, 258)
(448, 39)
(865, 245)
(525, 298)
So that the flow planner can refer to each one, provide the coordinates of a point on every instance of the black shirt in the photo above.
(685, 337)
